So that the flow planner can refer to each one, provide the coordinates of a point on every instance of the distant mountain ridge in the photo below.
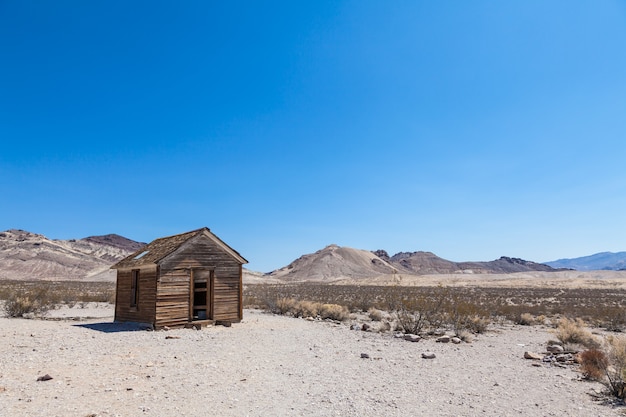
(335, 263)
(25, 255)
(603, 261)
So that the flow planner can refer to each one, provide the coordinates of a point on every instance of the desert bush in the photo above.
(616, 371)
(574, 332)
(613, 318)
(19, 303)
(463, 315)
(284, 305)
(593, 364)
(525, 319)
(334, 312)
(375, 314)
(307, 309)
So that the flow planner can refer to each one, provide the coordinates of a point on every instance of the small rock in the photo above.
(564, 357)
(428, 355)
(443, 339)
(355, 327)
(399, 335)
(46, 377)
(555, 348)
(365, 356)
(172, 337)
(309, 318)
(412, 337)
(365, 327)
(456, 340)
(533, 356)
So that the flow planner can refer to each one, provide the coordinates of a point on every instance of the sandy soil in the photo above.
(276, 366)
(534, 279)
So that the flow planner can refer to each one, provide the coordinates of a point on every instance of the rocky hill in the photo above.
(334, 263)
(26, 256)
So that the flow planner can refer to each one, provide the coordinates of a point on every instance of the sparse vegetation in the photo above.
(422, 309)
(572, 333)
(607, 367)
(38, 297)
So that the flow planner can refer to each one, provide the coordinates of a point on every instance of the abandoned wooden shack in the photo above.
(193, 278)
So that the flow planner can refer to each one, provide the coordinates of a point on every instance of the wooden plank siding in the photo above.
(172, 306)
(181, 278)
(144, 312)
(203, 254)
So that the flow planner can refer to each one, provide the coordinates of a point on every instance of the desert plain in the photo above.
(270, 365)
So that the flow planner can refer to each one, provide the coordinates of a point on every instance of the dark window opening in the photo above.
(134, 288)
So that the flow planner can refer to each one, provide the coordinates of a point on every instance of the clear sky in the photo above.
(471, 129)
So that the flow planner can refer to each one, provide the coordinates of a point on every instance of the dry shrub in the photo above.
(574, 332)
(416, 315)
(375, 314)
(20, 302)
(283, 306)
(593, 364)
(307, 309)
(467, 316)
(608, 368)
(525, 319)
(334, 312)
(616, 371)
(465, 335)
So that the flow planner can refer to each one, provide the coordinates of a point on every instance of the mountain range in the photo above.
(609, 261)
(335, 263)
(30, 256)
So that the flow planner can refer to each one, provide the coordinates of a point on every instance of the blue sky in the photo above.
(470, 129)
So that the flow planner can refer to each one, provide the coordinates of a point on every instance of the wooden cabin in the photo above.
(186, 279)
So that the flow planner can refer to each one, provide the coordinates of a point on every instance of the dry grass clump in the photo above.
(334, 312)
(574, 333)
(607, 367)
(375, 314)
(593, 364)
(23, 303)
(525, 319)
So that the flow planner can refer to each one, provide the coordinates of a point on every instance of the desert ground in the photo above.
(270, 365)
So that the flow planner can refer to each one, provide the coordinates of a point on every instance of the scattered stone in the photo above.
(165, 328)
(555, 348)
(412, 337)
(309, 318)
(46, 377)
(172, 337)
(399, 335)
(456, 340)
(355, 327)
(365, 356)
(533, 356)
(443, 339)
(565, 357)
(365, 327)
(428, 355)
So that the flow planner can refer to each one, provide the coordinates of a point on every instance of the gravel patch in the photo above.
(278, 366)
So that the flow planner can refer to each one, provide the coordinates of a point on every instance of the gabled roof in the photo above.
(160, 248)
